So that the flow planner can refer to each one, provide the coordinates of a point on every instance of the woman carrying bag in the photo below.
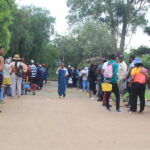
(139, 78)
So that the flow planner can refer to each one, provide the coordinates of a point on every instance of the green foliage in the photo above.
(142, 50)
(146, 60)
(6, 8)
(87, 40)
(31, 31)
(147, 30)
(116, 14)
(144, 53)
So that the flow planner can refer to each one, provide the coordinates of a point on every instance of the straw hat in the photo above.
(16, 57)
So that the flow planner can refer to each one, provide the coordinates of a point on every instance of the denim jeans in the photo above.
(85, 84)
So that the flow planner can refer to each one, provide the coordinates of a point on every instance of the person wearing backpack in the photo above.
(75, 76)
(111, 76)
(17, 69)
(139, 78)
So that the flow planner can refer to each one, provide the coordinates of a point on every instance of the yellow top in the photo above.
(136, 70)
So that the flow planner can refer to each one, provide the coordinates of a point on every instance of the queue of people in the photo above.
(19, 78)
(110, 75)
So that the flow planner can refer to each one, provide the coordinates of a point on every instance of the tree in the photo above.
(116, 14)
(144, 53)
(6, 9)
(147, 30)
(31, 31)
(142, 50)
(88, 40)
(95, 39)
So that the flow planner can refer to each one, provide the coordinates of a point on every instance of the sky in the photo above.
(59, 10)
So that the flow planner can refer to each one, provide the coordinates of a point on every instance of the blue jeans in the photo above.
(85, 84)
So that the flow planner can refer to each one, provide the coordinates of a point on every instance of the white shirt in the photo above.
(122, 72)
(6, 71)
(66, 74)
(105, 65)
(84, 74)
(12, 66)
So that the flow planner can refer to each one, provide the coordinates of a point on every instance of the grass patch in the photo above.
(125, 96)
(147, 94)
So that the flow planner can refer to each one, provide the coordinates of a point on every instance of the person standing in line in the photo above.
(128, 79)
(105, 64)
(80, 80)
(7, 78)
(75, 76)
(92, 81)
(114, 81)
(17, 70)
(32, 69)
(85, 83)
(46, 75)
(122, 72)
(100, 78)
(24, 78)
(139, 78)
(39, 76)
(69, 77)
(62, 73)
(1, 68)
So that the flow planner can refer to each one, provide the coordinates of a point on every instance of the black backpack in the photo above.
(19, 70)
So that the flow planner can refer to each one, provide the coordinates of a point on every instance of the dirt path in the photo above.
(45, 122)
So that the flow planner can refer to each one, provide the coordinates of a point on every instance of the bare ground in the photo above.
(45, 122)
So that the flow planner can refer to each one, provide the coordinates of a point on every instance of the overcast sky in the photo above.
(59, 10)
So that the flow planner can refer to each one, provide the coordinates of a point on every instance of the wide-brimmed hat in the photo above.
(16, 57)
(137, 61)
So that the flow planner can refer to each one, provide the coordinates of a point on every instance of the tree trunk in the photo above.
(124, 26)
(123, 35)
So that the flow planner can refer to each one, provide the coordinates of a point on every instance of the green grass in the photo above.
(125, 96)
(147, 94)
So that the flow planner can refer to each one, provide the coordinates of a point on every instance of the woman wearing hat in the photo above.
(17, 69)
(139, 78)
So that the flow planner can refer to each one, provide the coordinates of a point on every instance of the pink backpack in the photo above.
(108, 72)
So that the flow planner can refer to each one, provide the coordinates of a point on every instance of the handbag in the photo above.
(106, 87)
(70, 80)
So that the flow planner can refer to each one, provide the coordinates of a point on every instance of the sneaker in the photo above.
(33, 93)
(103, 104)
(92, 98)
(99, 100)
(118, 110)
(108, 109)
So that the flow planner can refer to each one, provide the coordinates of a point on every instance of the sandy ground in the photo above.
(45, 122)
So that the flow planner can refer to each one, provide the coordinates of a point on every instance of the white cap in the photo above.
(32, 61)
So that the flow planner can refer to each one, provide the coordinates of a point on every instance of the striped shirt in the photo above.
(33, 70)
